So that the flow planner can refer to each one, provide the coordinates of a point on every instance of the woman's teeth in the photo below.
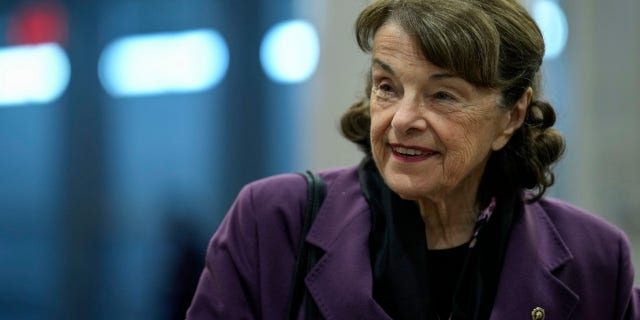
(408, 152)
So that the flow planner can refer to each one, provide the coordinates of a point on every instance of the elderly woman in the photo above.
(445, 217)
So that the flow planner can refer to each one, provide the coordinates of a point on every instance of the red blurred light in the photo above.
(38, 22)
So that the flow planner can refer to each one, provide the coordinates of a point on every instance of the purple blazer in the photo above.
(560, 258)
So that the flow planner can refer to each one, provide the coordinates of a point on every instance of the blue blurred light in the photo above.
(553, 24)
(188, 61)
(290, 51)
(33, 74)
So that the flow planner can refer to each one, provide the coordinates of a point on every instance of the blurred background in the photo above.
(127, 128)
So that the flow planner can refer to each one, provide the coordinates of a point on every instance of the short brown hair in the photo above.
(490, 43)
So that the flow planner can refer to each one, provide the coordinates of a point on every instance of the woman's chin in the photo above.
(407, 190)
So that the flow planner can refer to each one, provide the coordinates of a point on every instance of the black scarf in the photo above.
(399, 264)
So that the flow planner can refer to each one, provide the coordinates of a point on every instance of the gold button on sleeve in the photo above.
(537, 314)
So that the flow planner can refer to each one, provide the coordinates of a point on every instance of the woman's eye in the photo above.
(384, 89)
(441, 95)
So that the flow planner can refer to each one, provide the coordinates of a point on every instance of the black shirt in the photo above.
(445, 267)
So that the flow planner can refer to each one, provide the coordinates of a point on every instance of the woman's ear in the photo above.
(514, 119)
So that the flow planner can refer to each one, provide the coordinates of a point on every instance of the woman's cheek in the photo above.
(374, 113)
(377, 137)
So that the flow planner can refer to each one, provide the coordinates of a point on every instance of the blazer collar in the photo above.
(535, 251)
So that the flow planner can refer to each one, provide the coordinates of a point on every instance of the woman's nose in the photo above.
(408, 117)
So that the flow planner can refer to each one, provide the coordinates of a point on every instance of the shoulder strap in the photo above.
(307, 254)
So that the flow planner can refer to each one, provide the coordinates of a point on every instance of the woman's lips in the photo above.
(411, 153)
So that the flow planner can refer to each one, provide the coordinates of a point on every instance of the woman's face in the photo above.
(431, 131)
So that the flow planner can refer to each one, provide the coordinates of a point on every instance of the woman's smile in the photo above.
(411, 153)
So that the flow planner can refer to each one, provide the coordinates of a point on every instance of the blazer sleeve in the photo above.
(251, 257)
(628, 295)
(633, 309)
(227, 288)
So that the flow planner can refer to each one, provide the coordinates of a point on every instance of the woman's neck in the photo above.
(448, 222)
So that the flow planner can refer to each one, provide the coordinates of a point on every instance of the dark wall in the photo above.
(107, 204)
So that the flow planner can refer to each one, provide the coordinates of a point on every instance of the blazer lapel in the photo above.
(340, 282)
(528, 282)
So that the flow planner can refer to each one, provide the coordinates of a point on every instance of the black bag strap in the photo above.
(308, 255)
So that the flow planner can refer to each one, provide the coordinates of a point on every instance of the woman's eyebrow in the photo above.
(384, 66)
(433, 77)
(442, 76)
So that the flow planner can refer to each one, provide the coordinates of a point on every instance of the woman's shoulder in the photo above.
(272, 207)
(599, 267)
(288, 184)
(288, 191)
(566, 215)
(582, 231)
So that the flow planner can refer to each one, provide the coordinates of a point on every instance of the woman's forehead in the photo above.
(393, 46)
(391, 39)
